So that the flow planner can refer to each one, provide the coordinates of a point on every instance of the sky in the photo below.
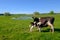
(29, 6)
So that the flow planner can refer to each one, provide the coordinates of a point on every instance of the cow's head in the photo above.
(35, 19)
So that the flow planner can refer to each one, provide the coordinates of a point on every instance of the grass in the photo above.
(19, 30)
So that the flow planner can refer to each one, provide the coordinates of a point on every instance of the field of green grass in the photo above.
(19, 29)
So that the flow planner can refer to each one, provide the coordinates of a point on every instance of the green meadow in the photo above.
(19, 29)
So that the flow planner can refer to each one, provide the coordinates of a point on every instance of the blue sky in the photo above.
(29, 6)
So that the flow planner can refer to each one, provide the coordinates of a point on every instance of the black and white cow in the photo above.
(42, 22)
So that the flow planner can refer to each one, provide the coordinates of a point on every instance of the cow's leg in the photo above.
(32, 25)
(31, 28)
(38, 25)
(51, 26)
(39, 29)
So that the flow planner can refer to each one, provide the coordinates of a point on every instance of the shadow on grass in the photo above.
(48, 30)
(57, 29)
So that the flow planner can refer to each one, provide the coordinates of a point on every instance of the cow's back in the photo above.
(44, 20)
(51, 19)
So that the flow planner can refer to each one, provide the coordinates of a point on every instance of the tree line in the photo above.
(35, 13)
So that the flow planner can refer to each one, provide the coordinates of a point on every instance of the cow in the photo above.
(42, 22)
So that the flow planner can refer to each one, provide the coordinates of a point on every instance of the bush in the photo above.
(36, 13)
(7, 14)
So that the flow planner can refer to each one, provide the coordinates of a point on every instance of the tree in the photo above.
(51, 12)
(7, 14)
(36, 14)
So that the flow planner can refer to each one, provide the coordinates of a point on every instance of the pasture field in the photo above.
(19, 29)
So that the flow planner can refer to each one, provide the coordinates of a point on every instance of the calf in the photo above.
(42, 22)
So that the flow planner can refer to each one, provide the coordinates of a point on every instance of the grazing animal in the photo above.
(42, 22)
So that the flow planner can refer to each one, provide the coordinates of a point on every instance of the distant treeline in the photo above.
(1, 14)
(34, 13)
